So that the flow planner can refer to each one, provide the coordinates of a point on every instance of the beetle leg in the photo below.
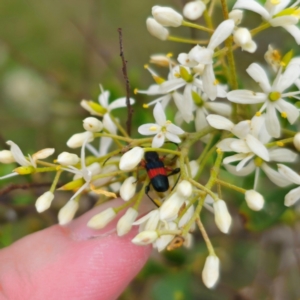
(175, 171)
(147, 189)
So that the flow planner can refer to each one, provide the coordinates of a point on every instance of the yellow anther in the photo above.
(275, 2)
(216, 82)
(284, 114)
(153, 128)
(219, 151)
(135, 91)
(177, 75)
(170, 54)
(258, 113)
(145, 105)
(280, 144)
(146, 66)
(168, 122)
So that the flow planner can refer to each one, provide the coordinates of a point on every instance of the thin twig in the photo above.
(25, 186)
(124, 69)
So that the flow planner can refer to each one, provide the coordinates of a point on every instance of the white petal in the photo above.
(109, 124)
(291, 111)
(283, 21)
(223, 109)
(222, 32)
(290, 174)
(275, 176)
(184, 105)
(240, 146)
(42, 154)
(233, 158)
(174, 129)
(105, 143)
(202, 56)
(257, 147)
(103, 97)
(259, 75)
(159, 114)
(172, 137)
(292, 197)
(272, 122)
(208, 79)
(294, 31)
(120, 102)
(282, 155)
(241, 129)
(219, 122)
(225, 145)
(200, 119)
(18, 154)
(246, 97)
(158, 140)
(172, 85)
(243, 162)
(248, 169)
(149, 129)
(290, 75)
(253, 6)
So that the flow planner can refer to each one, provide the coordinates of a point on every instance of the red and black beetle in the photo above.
(157, 173)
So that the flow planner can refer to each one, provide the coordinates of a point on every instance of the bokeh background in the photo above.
(55, 53)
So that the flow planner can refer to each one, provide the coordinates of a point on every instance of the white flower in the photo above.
(128, 188)
(222, 216)
(166, 16)
(67, 212)
(67, 159)
(163, 241)
(202, 55)
(125, 223)
(184, 189)
(44, 201)
(273, 58)
(92, 124)
(156, 29)
(17, 155)
(194, 9)
(294, 195)
(272, 96)
(270, 12)
(163, 129)
(296, 141)
(168, 211)
(131, 159)
(100, 220)
(211, 271)
(254, 200)
(242, 37)
(104, 108)
(145, 238)
(148, 222)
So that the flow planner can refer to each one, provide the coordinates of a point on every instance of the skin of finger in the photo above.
(71, 262)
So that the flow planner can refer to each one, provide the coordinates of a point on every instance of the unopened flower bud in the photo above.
(125, 223)
(160, 60)
(24, 170)
(67, 212)
(145, 238)
(77, 140)
(211, 271)
(254, 200)
(236, 15)
(42, 154)
(6, 157)
(194, 9)
(222, 216)
(184, 189)
(242, 37)
(67, 159)
(167, 16)
(188, 241)
(131, 159)
(170, 208)
(128, 188)
(102, 219)
(44, 201)
(92, 124)
(157, 30)
(297, 141)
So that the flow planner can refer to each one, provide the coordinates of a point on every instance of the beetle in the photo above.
(157, 173)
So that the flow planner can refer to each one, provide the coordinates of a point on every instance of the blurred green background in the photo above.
(55, 53)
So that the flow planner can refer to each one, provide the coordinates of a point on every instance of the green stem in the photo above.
(187, 41)
(208, 243)
(197, 26)
(55, 181)
(262, 27)
(119, 126)
(231, 186)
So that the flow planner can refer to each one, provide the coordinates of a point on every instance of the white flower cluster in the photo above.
(256, 130)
